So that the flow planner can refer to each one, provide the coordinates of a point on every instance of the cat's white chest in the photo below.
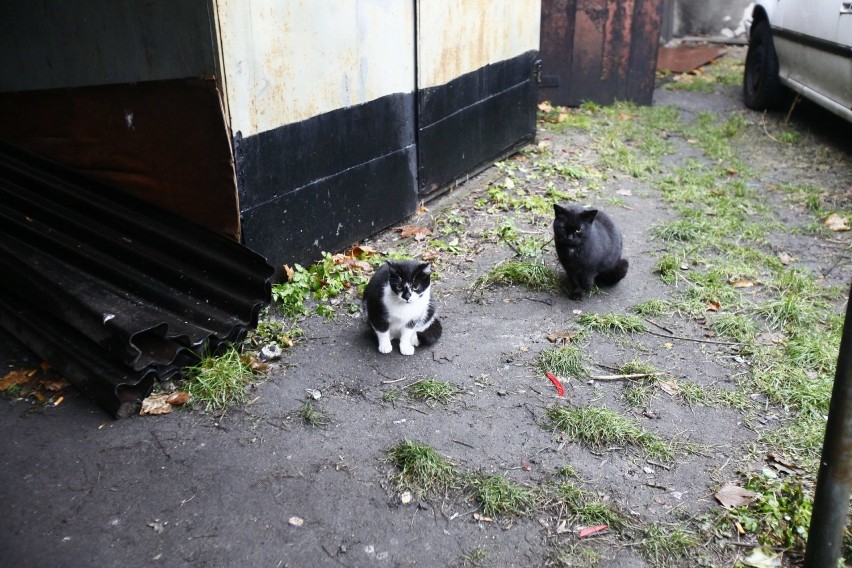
(400, 313)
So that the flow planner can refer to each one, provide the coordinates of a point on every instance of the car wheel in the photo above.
(761, 87)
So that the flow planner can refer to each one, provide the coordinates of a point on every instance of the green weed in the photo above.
(421, 469)
(563, 361)
(612, 323)
(603, 428)
(311, 416)
(533, 274)
(433, 391)
(499, 497)
(219, 381)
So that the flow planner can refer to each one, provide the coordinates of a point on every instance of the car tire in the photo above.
(762, 88)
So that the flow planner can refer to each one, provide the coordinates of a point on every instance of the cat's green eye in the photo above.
(416, 287)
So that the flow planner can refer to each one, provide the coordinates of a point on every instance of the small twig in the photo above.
(665, 467)
(763, 122)
(416, 410)
(796, 100)
(693, 339)
(545, 302)
(652, 322)
(622, 377)
(391, 381)
(464, 444)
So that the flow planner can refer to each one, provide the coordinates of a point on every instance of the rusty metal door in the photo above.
(599, 50)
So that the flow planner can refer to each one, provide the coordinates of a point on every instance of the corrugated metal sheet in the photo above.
(111, 291)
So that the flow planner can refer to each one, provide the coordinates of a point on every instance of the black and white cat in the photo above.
(588, 245)
(399, 304)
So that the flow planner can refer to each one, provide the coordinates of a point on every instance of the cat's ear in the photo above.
(559, 210)
(425, 267)
(393, 267)
(589, 215)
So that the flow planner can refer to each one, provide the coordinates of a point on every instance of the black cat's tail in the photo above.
(431, 334)
(611, 277)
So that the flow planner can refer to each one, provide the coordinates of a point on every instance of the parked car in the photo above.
(801, 45)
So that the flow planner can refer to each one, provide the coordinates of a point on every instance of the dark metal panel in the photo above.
(112, 291)
(328, 181)
(164, 141)
(473, 120)
(50, 44)
(599, 50)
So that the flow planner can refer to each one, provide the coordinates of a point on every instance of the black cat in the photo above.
(399, 304)
(588, 245)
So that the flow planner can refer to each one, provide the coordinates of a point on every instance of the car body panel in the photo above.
(813, 41)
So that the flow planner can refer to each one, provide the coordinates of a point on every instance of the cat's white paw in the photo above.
(415, 341)
(385, 347)
(406, 349)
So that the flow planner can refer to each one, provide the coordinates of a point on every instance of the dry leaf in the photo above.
(421, 209)
(296, 521)
(626, 192)
(156, 404)
(482, 518)
(288, 272)
(763, 557)
(783, 464)
(419, 233)
(562, 337)
(55, 384)
(837, 223)
(16, 377)
(771, 338)
(563, 528)
(178, 398)
(669, 387)
(713, 306)
(731, 496)
(786, 259)
(545, 106)
(351, 262)
(361, 251)
(742, 283)
(430, 256)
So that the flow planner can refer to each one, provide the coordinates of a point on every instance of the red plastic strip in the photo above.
(560, 390)
(589, 531)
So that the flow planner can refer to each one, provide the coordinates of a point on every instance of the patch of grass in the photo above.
(390, 396)
(499, 497)
(576, 555)
(669, 267)
(526, 246)
(432, 391)
(612, 323)
(586, 508)
(274, 331)
(568, 471)
(603, 428)
(662, 545)
(563, 361)
(740, 328)
(638, 367)
(637, 395)
(311, 416)
(422, 470)
(475, 557)
(533, 274)
(220, 381)
(781, 514)
(653, 307)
